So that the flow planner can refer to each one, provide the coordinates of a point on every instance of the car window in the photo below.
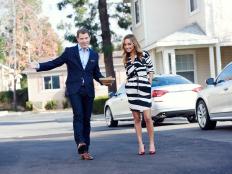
(169, 80)
(121, 90)
(225, 75)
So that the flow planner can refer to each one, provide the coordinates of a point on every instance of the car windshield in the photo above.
(169, 80)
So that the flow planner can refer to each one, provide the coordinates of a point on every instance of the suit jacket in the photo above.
(76, 73)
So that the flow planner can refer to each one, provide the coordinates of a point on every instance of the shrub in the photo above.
(29, 106)
(98, 104)
(50, 105)
(65, 104)
(22, 97)
(6, 97)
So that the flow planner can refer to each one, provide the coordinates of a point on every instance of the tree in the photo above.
(86, 16)
(106, 41)
(34, 34)
(2, 55)
(26, 35)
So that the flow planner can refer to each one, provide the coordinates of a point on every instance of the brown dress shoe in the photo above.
(81, 148)
(86, 156)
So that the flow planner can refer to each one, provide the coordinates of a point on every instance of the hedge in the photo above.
(98, 104)
(6, 97)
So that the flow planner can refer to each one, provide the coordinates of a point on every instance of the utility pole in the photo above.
(14, 54)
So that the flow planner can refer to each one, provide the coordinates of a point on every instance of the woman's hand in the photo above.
(150, 77)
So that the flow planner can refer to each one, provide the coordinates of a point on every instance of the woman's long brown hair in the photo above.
(138, 50)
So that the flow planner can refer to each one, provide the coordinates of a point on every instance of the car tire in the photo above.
(158, 120)
(203, 117)
(110, 122)
(192, 119)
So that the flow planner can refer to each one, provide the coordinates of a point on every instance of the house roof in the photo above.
(189, 35)
(226, 41)
(6, 67)
(10, 70)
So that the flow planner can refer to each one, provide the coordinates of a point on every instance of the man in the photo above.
(82, 67)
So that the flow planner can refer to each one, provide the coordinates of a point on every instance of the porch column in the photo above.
(173, 61)
(218, 58)
(211, 62)
(166, 62)
(153, 58)
(169, 61)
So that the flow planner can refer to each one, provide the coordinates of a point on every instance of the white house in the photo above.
(7, 79)
(192, 38)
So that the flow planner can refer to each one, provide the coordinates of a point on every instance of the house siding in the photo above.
(202, 63)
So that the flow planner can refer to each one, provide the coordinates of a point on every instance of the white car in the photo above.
(172, 96)
(214, 103)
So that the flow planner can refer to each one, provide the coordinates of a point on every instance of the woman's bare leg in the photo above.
(138, 129)
(150, 129)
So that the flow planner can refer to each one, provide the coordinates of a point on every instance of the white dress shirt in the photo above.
(84, 56)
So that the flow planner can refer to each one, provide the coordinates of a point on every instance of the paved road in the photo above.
(43, 144)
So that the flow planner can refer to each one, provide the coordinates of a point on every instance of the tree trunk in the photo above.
(106, 39)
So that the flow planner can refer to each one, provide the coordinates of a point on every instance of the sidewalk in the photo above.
(3, 113)
(9, 113)
(18, 125)
(67, 112)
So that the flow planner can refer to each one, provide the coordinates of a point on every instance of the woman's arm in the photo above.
(150, 77)
(149, 66)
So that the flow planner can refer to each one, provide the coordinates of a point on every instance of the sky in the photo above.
(50, 10)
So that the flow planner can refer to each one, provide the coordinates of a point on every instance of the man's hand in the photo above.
(108, 81)
(107, 84)
(33, 65)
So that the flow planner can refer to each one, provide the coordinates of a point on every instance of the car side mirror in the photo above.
(111, 94)
(210, 81)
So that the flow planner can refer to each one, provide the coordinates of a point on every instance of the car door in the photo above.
(219, 98)
(120, 106)
(227, 88)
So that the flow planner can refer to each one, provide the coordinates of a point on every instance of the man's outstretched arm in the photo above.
(50, 64)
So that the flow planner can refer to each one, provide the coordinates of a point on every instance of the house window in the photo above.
(51, 82)
(185, 66)
(137, 11)
(193, 5)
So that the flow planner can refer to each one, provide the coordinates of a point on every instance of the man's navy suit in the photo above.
(80, 88)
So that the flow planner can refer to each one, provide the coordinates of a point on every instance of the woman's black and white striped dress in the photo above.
(138, 88)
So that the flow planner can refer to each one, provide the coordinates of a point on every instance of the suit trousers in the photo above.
(82, 106)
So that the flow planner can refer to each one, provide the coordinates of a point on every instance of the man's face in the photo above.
(83, 40)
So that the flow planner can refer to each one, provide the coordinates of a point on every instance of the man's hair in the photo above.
(82, 31)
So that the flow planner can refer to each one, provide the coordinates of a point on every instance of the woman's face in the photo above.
(128, 46)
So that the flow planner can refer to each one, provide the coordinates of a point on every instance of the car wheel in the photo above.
(203, 117)
(192, 119)
(158, 120)
(109, 118)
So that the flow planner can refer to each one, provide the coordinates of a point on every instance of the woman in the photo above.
(139, 70)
